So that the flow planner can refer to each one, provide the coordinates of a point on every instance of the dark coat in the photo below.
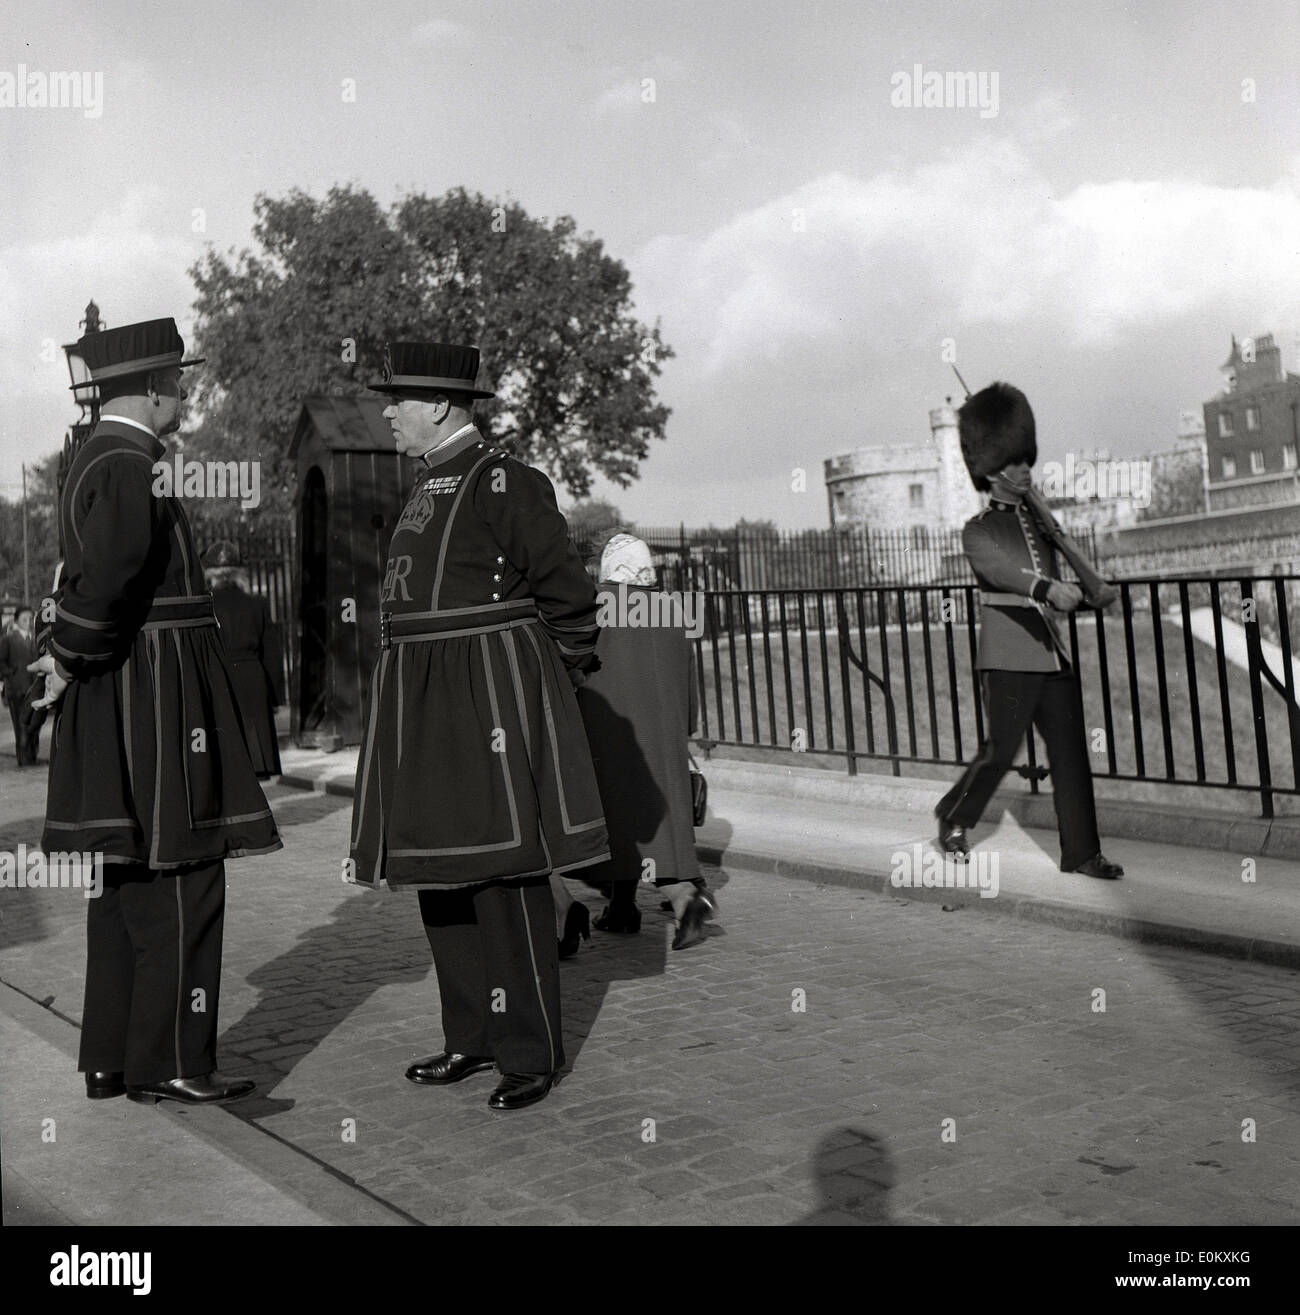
(147, 761)
(16, 651)
(638, 711)
(474, 766)
(1010, 557)
(253, 651)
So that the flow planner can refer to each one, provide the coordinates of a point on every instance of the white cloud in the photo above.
(128, 262)
(440, 32)
(972, 240)
(626, 90)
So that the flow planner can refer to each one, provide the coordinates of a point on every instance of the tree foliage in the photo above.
(42, 536)
(332, 280)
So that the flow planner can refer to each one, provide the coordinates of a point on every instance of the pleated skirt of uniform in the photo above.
(148, 763)
(474, 765)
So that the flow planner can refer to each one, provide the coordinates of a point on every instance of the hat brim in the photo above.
(423, 383)
(129, 368)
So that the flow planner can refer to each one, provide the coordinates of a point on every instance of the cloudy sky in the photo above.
(807, 244)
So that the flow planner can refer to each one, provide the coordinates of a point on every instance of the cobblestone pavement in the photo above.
(830, 1056)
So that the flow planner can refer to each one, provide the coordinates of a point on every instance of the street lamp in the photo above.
(85, 391)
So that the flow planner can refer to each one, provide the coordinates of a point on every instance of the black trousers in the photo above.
(1053, 702)
(153, 972)
(494, 949)
(27, 745)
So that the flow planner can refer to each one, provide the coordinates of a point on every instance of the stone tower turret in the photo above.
(958, 500)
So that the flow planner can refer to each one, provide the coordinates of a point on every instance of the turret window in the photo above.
(1225, 425)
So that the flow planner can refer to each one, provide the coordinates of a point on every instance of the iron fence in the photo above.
(844, 557)
(1186, 682)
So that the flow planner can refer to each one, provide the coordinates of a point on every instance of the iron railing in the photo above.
(1185, 682)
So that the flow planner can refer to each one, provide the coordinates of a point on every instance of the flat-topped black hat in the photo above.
(430, 367)
(132, 349)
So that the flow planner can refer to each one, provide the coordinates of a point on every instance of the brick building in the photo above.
(1252, 429)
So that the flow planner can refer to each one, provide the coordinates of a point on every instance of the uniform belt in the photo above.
(175, 613)
(1007, 600)
(410, 627)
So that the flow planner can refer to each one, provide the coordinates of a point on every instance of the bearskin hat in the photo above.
(997, 428)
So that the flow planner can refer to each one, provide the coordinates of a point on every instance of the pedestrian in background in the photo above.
(17, 652)
(253, 650)
(639, 710)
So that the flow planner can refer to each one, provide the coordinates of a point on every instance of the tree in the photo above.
(42, 536)
(333, 280)
(592, 519)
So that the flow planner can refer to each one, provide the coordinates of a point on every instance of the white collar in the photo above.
(124, 420)
(437, 447)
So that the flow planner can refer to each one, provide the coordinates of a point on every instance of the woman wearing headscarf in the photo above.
(638, 710)
(252, 650)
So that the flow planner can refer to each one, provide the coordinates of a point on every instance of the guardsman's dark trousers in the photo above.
(153, 972)
(1052, 701)
(495, 953)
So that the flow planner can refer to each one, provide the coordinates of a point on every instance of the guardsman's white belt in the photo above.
(1007, 600)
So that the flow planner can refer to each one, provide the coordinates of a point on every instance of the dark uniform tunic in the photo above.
(1026, 678)
(148, 764)
(253, 651)
(148, 761)
(474, 779)
(474, 764)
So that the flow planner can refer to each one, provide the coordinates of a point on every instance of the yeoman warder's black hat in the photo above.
(430, 367)
(132, 349)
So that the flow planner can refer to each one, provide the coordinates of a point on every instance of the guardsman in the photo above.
(147, 761)
(475, 781)
(1024, 664)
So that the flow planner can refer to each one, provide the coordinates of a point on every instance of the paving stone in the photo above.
(762, 1115)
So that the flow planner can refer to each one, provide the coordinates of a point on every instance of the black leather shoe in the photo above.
(104, 1086)
(439, 1070)
(1100, 866)
(610, 920)
(952, 840)
(690, 931)
(210, 1089)
(577, 923)
(520, 1089)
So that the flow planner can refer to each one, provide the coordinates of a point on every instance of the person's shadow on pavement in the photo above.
(371, 940)
(854, 1172)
